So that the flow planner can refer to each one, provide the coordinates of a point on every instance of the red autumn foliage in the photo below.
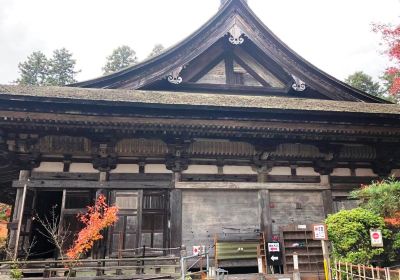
(97, 218)
(5, 212)
(391, 38)
(394, 221)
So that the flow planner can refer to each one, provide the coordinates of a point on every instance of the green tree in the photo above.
(120, 58)
(388, 79)
(158, 48)
(61, 68)
(349, 232)
(34, 70)
(364, 82)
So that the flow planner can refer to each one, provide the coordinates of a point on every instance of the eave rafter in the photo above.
(196, 127)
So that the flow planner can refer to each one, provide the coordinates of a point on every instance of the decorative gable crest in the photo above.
(236, 35)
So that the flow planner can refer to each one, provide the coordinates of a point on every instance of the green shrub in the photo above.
(349, 232)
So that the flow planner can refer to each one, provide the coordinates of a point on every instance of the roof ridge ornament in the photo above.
(174, 77)
(298, 84)
(236, 35)
(223, 2)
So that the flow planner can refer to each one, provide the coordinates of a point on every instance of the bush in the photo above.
(382, 198)
(349, 232)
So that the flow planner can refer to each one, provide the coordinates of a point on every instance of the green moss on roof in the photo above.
(195, 99)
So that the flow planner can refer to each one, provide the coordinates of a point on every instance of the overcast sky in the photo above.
(334, 35)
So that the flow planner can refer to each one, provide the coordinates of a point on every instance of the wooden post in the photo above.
(347, 271)
(46, 271)
(364, 276)
(183, 262)
(265, 213)
(120, 240)
(327, 199)
(336, 271)
(296, 272)
(99, 271)
(359, 270)
(21, 216)
(175, 218)
(388, 273)
(351, 271)
(372, 272)
(64, 197)
(327, 265)
(101, 246)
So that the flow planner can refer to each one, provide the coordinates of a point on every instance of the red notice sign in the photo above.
(376, 237)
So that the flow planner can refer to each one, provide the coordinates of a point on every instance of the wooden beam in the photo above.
(77, 184)
(65, 176)
(250, 186)
(230, 79)
(207, 69)
(198, 65)
(252, 72)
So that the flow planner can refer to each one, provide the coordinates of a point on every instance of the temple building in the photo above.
(228, 134)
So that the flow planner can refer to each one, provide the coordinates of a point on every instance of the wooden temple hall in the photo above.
(224, 136)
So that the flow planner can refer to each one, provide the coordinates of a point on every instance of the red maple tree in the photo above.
(95, 220)
(391, 38)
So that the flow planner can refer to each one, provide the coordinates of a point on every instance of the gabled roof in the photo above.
(234, 21)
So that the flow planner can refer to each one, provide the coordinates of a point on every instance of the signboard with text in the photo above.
(319, 232)
(274, 255)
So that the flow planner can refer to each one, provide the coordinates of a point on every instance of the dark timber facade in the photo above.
(229, 132)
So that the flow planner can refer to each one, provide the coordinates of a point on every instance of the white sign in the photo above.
(273, 247)
(274, 258)
(319, 232)
(376, 237)
(196, 250)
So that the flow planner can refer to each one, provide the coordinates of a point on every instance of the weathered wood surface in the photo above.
(209, 213)
(249, 186)
(295, 207)
(124, 268)
(175, 218)
(77, 184)
(264, 198)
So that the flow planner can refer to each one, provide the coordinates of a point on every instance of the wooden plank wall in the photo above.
(209, 212)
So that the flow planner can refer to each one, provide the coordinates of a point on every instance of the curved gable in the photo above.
(234, 52)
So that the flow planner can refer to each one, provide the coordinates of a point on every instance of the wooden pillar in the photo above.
(175, 210)
(175, 218)
(177, 161)
(327, 198)
(265, 213)
(263, 171)
(100, 251)
(18, 213)
(264, 200)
